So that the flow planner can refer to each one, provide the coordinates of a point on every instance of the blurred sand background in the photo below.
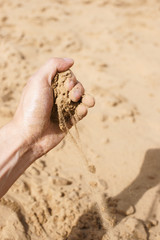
(116, 48)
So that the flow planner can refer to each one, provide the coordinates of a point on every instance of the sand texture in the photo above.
(64, 110)
(116, 48)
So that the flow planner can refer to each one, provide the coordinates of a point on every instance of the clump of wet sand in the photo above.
(64, 108)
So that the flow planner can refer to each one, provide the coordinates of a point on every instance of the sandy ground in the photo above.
(116, 48)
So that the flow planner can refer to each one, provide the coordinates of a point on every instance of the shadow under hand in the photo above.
(88, 227)
(149, 176)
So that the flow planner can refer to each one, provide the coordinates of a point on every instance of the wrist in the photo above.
(16, 156)
(22, 146)
(28, 146)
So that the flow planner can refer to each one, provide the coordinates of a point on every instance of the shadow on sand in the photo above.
(148, 177)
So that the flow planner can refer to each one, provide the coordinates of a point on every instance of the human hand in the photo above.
(32, 117)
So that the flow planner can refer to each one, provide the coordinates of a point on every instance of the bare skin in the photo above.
(31, 133)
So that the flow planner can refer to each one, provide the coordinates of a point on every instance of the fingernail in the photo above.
(68, 59)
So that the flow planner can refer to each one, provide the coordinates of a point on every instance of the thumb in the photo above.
(49, 70)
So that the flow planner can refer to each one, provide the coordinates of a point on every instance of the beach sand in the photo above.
(116, 48)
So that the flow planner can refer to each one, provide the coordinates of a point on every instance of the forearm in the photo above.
(15, 157)
(31, 133)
